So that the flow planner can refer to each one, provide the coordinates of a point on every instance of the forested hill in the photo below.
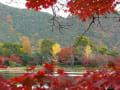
(36, 25)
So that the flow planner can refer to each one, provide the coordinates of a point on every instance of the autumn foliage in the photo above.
(39, 4)
(82, 8)
(44, 79)
(88, 8)
(65, 55)
(9, 59)
(105, 78)
(26, 44)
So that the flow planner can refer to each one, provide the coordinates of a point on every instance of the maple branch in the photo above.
(53, 18)
(98, 18)
(99, 23)
(93, 20)
(108, 17)
(56, 21)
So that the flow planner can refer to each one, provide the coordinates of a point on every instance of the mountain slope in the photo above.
(15, 22)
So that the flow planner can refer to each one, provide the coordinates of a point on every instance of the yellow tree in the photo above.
(55, 49)
(1, 44)
(88, 51)
(26, 47)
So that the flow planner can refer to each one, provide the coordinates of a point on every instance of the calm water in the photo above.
(10, 75)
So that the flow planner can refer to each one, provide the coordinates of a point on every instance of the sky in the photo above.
(21, 4)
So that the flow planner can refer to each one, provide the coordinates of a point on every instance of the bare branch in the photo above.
(58, 21)
(93, 20)
(109, 17)
(99, 23)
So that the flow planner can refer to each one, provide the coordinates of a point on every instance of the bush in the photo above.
(88, 62)
(66, 55)
(102, 59)
(10, 61)
(25, 57)
(97, 60)
(12, 64)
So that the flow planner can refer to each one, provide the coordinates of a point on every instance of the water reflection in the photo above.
(8, 75)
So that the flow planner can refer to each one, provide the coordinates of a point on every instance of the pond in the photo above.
(8, 75)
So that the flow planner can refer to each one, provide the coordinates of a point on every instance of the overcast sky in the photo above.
(21, 4)
(16, 3)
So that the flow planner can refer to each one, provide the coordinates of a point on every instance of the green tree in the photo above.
(46, 49)
(26, 58)
(2, 51)
(103, 50)
(80, 43)
(12, 48)
(113, 53)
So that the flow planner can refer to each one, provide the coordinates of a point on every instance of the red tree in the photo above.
(65, 55)
(83, 8)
